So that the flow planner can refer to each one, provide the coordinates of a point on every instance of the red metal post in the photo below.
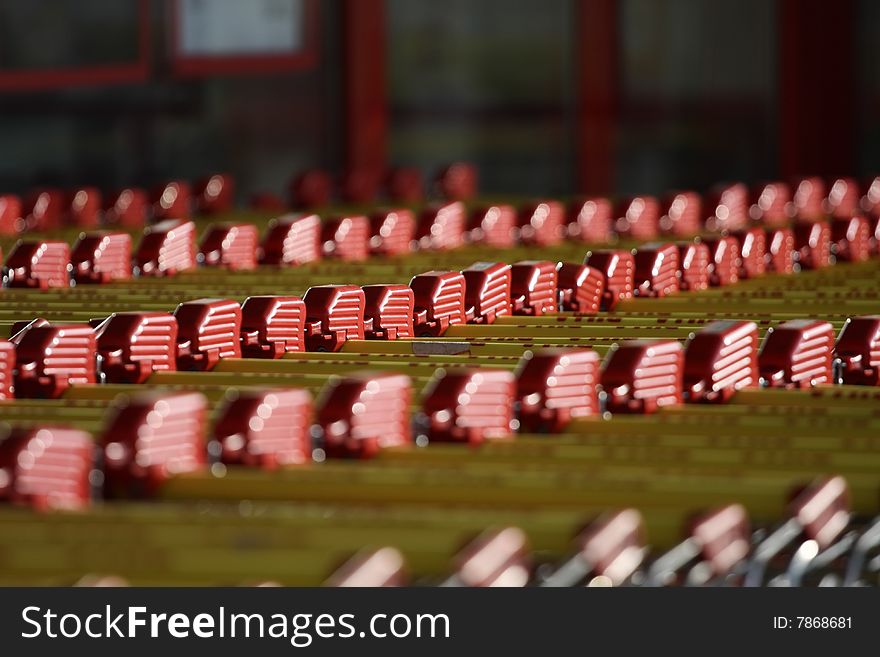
(817, 87)
(597, 89)
(366, 93)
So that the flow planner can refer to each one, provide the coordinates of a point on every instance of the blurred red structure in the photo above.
(152, 437)
(469, 405)
(229, 245)
(291, 240)
(720, 359)
(362, 413)
(41, 265)
(166, 248)
(265, 429)
(797, 354)
(101, 257)
(46, 467)
(555, 386)
(641, 376)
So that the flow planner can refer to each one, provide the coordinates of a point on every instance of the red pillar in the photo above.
(365, 87)
(597, 93)
(817, 87)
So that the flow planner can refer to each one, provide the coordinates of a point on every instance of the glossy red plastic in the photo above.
(843, 198)
(497, 557)
(875, 237)
(487, 291)
(171, 200)
(656, 270)
(533, 287)
(541, 223)
(493, 225)
(293, 239)
(272, 326)
(334, 314)
(720, 359)
(753, 252)
(618, 267)
(11, 221)
(40, 265)
(215, 194)
(613, 545)
(797, 354)
(388, 312)
(681, 214)
(770, 203)
(589, 220)
(822, 510)
(132, 345)
(231, 246)
(723, 260)
(727, 207)
(581, 288)
(346, 238)
(812, 244)
(779, 257)
(807, 198)
(693, 262)
(207, 330)
(723, 536)
(128, 208)
(858, 349)
(439, 302)
(379, 567)
(642, 376)
(101, 257)
(43, 209)
(18, 328)
(851, 239)
(555, 386)
(7, 370)
(265, 428)
(441, 227)
(392, 232)
(46, 467)
(458, 181)
(49, 359)
(638, 217)
(151, 437)
(469, 405)
(166, 248)
(870, 202)
(84, 207)
(364, 412)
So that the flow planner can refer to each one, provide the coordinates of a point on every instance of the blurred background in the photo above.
(545, 96)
